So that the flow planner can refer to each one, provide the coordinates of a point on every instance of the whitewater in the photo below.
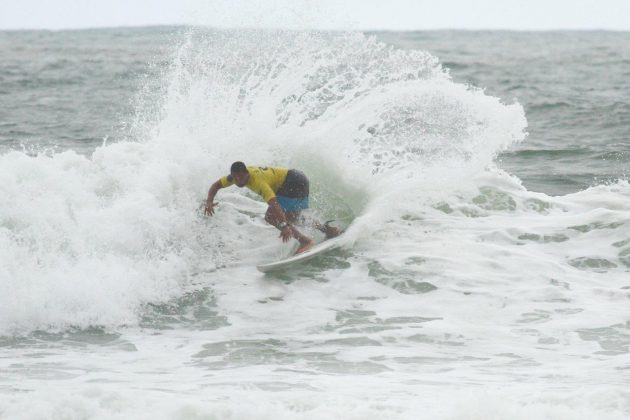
(459, 292)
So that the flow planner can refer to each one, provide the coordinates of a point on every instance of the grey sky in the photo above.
(320, 14)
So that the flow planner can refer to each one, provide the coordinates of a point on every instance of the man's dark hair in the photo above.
(238, 167)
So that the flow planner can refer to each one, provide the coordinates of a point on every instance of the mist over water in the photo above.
(457, 284)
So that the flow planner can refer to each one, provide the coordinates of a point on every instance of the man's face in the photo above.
(240, 178)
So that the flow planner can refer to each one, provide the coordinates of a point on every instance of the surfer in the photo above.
(286, 192)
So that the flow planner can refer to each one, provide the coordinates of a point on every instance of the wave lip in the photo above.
(90, 240)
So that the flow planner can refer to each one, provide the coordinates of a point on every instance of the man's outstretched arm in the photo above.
(276, 217)
(209, 210)
(277, 214)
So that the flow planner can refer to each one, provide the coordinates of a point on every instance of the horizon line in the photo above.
(187, 25)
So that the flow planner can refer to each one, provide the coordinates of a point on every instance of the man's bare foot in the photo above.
(305, 246)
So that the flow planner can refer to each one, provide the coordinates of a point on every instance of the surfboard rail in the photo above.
(302, 257)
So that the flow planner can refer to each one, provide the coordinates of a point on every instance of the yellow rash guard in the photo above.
(263, 180)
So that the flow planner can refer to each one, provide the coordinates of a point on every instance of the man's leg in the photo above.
(328, 230)
(294, 192)
(325, 228)
(291, 218)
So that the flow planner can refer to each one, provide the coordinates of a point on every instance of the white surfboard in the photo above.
(304, 256)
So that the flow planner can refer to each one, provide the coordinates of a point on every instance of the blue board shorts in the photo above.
(292, 205)
(293, 194)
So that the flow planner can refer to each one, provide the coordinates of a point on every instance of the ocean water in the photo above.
(482, 177)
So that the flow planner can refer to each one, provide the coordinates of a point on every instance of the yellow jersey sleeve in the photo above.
(226, 181)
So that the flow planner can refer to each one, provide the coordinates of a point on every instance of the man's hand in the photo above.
(209, 210)
(286, 233)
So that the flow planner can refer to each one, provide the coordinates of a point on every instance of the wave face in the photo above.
(459, 293)
(90, 239)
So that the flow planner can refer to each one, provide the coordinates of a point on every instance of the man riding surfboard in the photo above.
(286, 191)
